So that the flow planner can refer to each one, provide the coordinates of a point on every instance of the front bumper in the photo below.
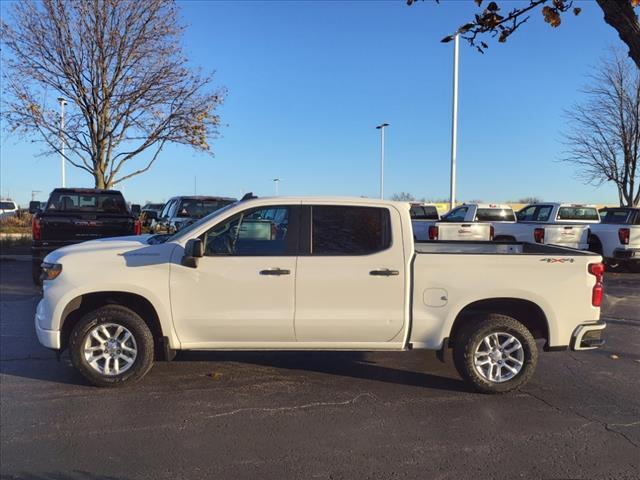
(627, 254)
(588, 336)
(48, 338)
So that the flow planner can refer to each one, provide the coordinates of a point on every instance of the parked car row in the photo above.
(611, 232)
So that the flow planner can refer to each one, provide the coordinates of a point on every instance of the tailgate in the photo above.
(464, 231)
(78, 227)
(575, 236)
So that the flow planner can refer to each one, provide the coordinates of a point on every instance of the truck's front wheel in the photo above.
(496, 354)
(111, 346)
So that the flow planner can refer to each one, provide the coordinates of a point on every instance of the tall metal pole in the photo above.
(63, 102)
(454, 122)
(381, 127)
(277, 182)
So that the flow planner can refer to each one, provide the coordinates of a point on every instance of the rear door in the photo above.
(350, 284)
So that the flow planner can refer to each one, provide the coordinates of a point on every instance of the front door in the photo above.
(242, 290)
(350, 283)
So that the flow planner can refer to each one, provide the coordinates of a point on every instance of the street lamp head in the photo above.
(62, 100)
(382, 125)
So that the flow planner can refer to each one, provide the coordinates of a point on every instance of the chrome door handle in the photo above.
(384, 272)
(275, 271)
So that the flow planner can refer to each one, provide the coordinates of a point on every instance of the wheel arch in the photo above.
(525, 311)
(87, 302)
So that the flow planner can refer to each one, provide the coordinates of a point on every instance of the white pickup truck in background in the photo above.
(316, 274)
(617, 237)
(562, 224)
(459, 224)
(423, 216)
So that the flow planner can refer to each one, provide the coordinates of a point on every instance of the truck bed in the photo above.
(495, 248)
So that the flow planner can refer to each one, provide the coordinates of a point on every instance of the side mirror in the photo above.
(34, 207)
(193, 250)
(135, 209)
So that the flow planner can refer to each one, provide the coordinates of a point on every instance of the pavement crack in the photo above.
(292, 407)
(606, 426)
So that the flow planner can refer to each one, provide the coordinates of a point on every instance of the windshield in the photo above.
(87, 202)
(186, 231)
(197, 208)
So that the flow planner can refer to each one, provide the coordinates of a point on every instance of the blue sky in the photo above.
(309, 80)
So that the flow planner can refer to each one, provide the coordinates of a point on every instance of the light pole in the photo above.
(63, 102)
(381, 127)
(277, 182)
(454, 121)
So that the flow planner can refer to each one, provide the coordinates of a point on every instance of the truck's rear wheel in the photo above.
(111, 346)
(496, 354)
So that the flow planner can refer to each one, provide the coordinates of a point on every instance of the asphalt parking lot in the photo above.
(318, 415)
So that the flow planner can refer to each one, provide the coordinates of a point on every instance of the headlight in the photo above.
(50, 271)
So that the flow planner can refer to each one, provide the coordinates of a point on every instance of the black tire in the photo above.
(119, 316)
(36, 273)
(469, 339)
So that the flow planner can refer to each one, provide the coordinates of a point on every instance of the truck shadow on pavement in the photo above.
(357, 365)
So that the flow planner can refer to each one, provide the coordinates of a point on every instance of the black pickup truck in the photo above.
(74, 215)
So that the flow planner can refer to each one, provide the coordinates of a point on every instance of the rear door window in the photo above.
(543, 213)
(578, 213)
(456, 215)
(340, 230)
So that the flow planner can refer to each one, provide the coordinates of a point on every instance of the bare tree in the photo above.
(403, 197)
(604, 132)
(120, 66)
(494, 22)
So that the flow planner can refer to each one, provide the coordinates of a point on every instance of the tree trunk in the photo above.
(621, 16)
(99, 180)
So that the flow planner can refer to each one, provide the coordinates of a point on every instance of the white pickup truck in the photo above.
(617, 237)
(459, 224)
(316, 274)
(562, 224)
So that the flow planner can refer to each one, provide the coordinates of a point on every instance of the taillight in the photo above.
(137, 227)
(597, 270)
(36, 233)
(433, 232)
(538, 235)
(492, 232)
(623, 235)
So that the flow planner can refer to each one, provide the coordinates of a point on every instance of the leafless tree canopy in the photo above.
(120, 66)
(604, 132)
(493, 21)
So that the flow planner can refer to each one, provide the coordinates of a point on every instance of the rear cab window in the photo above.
(424, 212)
(87, 202)
(615, 216)
(495, 215)
(576, 213)
(344, 230)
